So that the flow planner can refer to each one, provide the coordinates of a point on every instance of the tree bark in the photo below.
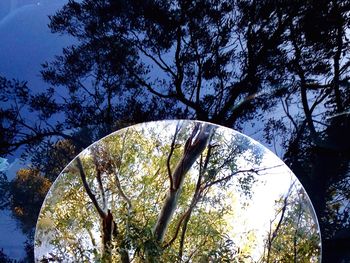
(194, 146)
(109, 227)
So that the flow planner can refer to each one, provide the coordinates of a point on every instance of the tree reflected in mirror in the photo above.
(177, 191)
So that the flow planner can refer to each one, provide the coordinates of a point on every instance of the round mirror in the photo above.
(177, 191)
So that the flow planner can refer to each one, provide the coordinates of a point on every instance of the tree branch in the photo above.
(304, 99)
(87, 188)
(99, 179)
(194, 146)
(172, 148)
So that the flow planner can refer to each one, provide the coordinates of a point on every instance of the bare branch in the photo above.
(143, 83)
(98, 177)
(172, 148)
(285, 107)
(87, 188)
(256, 171)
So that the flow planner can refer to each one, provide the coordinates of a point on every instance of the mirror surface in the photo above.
(177, 191)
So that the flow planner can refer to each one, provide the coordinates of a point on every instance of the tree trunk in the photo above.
(194, 146)
(109, 230)
(109, 227)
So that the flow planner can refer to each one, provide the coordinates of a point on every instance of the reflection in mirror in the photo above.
(177, 191)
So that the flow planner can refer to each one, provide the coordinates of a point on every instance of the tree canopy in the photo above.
(228, 62)
(158, 210)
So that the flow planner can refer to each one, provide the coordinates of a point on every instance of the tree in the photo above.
(115, 202)
(293, 235)
(221, 61)
(318, 150)
(28, 178)
(107, 79)
(191, 59)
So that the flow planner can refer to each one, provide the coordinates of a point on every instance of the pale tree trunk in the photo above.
(194, 146)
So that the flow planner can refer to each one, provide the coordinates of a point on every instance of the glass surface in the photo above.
(177, 191)
(278, 71)
(26, 43)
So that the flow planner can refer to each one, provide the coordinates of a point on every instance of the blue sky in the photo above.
(26, 42)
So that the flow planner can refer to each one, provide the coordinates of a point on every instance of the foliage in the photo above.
(130, 177)
(4, 258)
(295, 236)
(26, 204)
(4, 191)
(223, 61)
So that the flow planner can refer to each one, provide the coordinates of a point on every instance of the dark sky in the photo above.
(26, 42)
